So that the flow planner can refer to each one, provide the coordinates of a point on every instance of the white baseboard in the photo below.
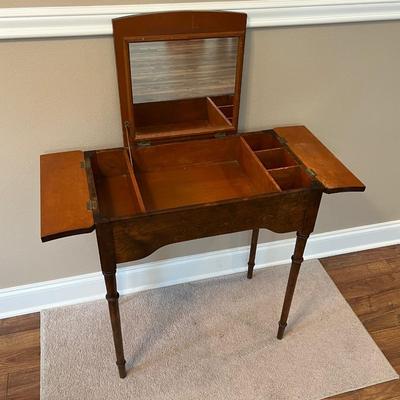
(78, 289)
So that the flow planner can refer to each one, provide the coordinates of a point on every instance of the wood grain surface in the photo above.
(20, 358)
(64, 195)
(369, 282)
(329, 170)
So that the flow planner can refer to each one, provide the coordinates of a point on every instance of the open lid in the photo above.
(179, 74)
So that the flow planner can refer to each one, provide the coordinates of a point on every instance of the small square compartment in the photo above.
(276, 158)
(262, 141)
(222, 101)
(179, 118)
(225, 104)
(291, 178)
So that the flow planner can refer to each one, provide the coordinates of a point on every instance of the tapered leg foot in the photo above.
(250, 270)
(253, 248)
(122, 370)
(281, 330)
(112, 298)
(297, 259)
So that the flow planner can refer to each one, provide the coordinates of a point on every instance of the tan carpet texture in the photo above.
(214, 339)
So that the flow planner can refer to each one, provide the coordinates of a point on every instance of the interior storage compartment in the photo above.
(179, 118)
(116, 186)
(200, 171)
(262, 141)
(225, 104)
(191, 172)
(291, 178)
(278, 161)
(276, 158)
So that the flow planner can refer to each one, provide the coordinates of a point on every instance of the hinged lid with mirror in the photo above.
(179, 74)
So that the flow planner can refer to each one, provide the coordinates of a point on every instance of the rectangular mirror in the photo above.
(183, 69)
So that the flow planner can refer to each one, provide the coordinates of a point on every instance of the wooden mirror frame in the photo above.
(172, 26)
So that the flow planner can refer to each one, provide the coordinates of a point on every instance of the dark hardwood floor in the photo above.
(19, 358)
(369, 280)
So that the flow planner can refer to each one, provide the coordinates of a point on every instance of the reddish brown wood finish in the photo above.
(292, 177)
(163, 121)
(64, 186)
(329, 170)
(138, 236)
(173, 26)
(262, 140)
(115, 184)
(258, 174)
(275, 158)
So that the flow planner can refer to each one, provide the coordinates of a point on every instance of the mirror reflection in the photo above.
(182, 69)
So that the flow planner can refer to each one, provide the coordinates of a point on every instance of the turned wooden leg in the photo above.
(113, 307)
(253, 248)
(297, 259)
(108, 266)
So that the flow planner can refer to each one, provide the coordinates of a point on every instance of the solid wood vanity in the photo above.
(184, 171)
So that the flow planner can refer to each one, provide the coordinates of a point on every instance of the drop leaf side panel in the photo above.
(64, 195)
(332, 174)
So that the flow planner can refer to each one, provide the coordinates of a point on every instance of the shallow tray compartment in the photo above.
(197, 172)
(171, 175)
(188, 117)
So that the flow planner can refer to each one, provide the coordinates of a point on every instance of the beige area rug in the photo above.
(214, 339)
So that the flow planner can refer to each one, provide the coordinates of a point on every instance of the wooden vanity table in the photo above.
(184, 171)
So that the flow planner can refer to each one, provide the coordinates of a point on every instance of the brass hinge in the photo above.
(84, 165)
(127, 127)
(144, 143)
(127, 130)
(91, 205)
(281, 139)
(220, 135)
(311, 172)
